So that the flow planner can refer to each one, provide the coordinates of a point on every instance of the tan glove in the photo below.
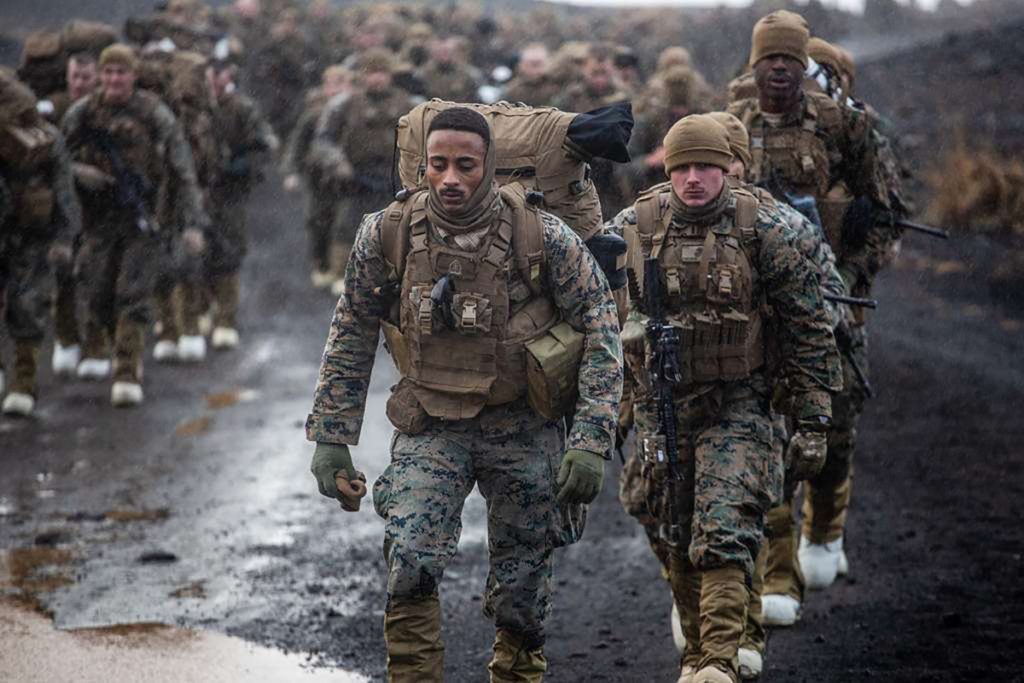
(806, 455)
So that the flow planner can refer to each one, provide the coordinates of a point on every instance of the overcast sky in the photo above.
(855, 5)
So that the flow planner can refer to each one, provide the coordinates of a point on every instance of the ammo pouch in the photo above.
(552, 371)
(404, 410)
(717, 347)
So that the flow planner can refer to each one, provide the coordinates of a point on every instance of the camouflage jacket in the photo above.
(576, 286)
(360, 129)
(455, 82)
(787, 280)
(852, 157)
(163, 155)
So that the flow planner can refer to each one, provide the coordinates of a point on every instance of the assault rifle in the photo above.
(131, 189)
(851, 300)
(805, 204)
(663, 340)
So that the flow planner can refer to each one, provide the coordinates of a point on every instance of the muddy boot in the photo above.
(225, 331)
(412, 633)
(518, 658)
(21, 399)
(686, 587)
(129, 340)
(339, 259)
(751, 652)
(783, 580)
(95, 363)
(821, 544)
(723, 618)
(168, 322)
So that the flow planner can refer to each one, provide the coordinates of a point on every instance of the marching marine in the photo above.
(128, 143)
(497, 317)
(707, 261)
(39, 220)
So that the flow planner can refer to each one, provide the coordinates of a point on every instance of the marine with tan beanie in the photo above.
(721, 253)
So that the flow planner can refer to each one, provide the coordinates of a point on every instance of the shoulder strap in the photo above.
(527, 237)
(653, 217)
(394, 232)
(746, 215)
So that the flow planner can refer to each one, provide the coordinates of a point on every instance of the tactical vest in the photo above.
(133, 130)
(707, 284)
(497, 307)
(26, 157)
(801, 157)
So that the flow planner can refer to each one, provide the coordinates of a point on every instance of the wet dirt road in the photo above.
(198, 509)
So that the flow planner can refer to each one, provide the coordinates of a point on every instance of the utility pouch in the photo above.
(552, 371)
(404, 409)
(471, 313)
(396, 345)
(707, 330)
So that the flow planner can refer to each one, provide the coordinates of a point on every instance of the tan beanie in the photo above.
(119, 53)
(739, 138)
(824, 52)
(780, 33)
(697, 139)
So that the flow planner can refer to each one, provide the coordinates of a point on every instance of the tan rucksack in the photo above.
(79, 35)
(531, 152)
(44, 55)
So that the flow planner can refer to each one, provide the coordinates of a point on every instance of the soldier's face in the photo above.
(737, 169)
(697, 184)
(533, 64)
(377, 81)
(598, 74)
(82, 78)
(118, 82)
(778, 76)
(455, 166)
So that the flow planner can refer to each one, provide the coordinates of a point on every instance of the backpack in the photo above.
(531, 153)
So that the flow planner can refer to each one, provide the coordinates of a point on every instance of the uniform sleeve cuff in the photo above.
(586, 436)
(813, 404)
(333, 429)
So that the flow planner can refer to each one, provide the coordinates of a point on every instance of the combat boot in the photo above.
(21, 400)
(685, 581)
(821, 544)
(95, 363)
(129, 338)
(723, 618)
(518, 658)
(751, 652)
(168, 326)
(412, 633)
(225, 332)
(783, 582)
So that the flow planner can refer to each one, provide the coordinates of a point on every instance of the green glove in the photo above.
(806, 455)
(336, 476)
(580, 476)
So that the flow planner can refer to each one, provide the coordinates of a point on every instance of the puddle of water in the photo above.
(152, 652)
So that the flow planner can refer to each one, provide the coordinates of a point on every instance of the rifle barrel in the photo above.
(926, 229)
(852, 300)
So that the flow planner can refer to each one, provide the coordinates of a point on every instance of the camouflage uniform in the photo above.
(828, 151)
(117, 262)
(435, 465)
(539, 92)
(43, 211)
(453, 81)
(359, 130)
(246, 140)
(730, 464)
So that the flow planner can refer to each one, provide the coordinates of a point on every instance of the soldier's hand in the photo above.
(343, 171)
(580, 476)
(193, 241)
(806, 454)
(59, 255)
(336, 476)
(291, 182)
(656, 159)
